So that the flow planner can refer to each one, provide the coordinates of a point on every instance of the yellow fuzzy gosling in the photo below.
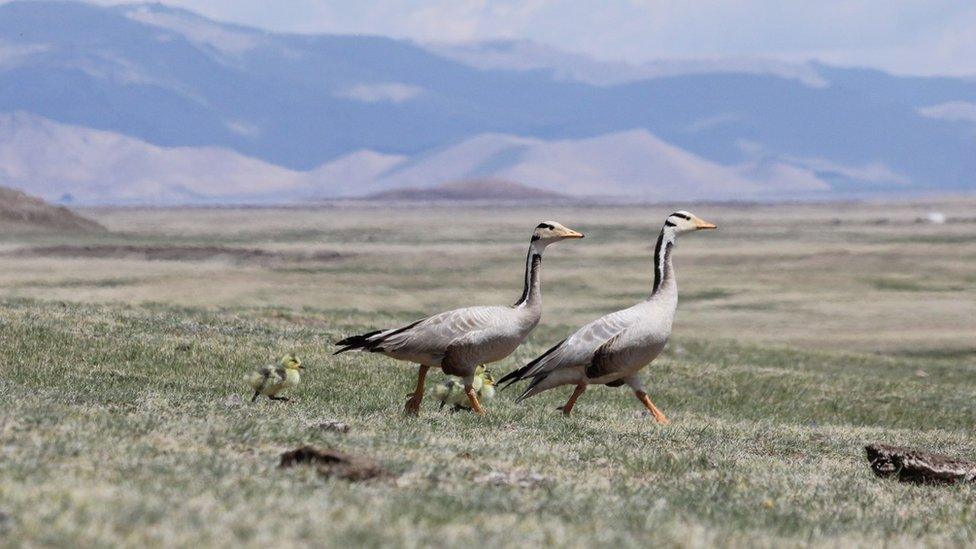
(452, 391)
(272, 379)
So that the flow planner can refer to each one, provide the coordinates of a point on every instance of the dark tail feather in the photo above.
(528, 390)
(514, 376)
(366, 342)
(255, 397)
(519, 374)
(355, 342)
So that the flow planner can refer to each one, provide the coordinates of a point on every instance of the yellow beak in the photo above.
(702, 224)
(570, 233)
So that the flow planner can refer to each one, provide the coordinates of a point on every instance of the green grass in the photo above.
(952, 354)
(708, 294)
(81, 283)
(116, 428)
(907, 285)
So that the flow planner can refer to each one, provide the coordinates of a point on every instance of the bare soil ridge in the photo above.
(20, 212)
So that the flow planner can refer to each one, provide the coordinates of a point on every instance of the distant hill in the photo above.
(157, 105)
(20, 212)
(78, 165)
(633, 164)
(479, 189)
(522, 55)
(73, 164)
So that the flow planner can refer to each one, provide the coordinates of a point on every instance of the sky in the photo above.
(901, 36)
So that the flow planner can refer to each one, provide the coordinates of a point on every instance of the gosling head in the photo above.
(291, 362)
(682, 221)
(488, 377)
(549, 232)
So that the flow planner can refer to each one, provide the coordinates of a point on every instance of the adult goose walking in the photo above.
(613, 349)
(459, 341)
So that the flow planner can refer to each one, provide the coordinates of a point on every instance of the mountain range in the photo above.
(149, 104)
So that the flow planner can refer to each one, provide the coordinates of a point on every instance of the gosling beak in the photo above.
(301, 366)
(702, 224)
(570, 233)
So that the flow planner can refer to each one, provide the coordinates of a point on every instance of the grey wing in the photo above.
(616, 356)
(465, 353)
(434, 334)
(579, 348)
(602, 363)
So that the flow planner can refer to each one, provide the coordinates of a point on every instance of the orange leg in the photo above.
(473, 398)
(568, 407)
(413, 403)
(646, 401)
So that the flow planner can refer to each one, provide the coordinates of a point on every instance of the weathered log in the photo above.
(918, 466)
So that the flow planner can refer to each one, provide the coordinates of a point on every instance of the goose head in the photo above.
(549, 232)
(683, 221)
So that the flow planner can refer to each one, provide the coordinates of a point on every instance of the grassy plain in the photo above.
(804, 332)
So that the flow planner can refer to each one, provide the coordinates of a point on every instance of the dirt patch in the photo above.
(335, 464)
(176, 253)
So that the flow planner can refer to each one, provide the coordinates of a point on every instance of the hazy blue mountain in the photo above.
(913, 91)
(78, 165)
(310, 104)
(523, 55)
(279, 99)
(631, 163)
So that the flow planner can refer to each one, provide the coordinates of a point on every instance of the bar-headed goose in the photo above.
(613, 349)
(459, 341)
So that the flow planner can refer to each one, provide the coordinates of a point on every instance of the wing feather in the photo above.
(579, 348)
(435, 333)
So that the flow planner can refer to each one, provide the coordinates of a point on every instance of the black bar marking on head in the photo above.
(545, 226)
(670, 223)
(681, 215)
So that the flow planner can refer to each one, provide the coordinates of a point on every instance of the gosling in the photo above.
(271, 379)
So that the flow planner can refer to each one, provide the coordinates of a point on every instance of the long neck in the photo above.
(663, 269)
(532, 291)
